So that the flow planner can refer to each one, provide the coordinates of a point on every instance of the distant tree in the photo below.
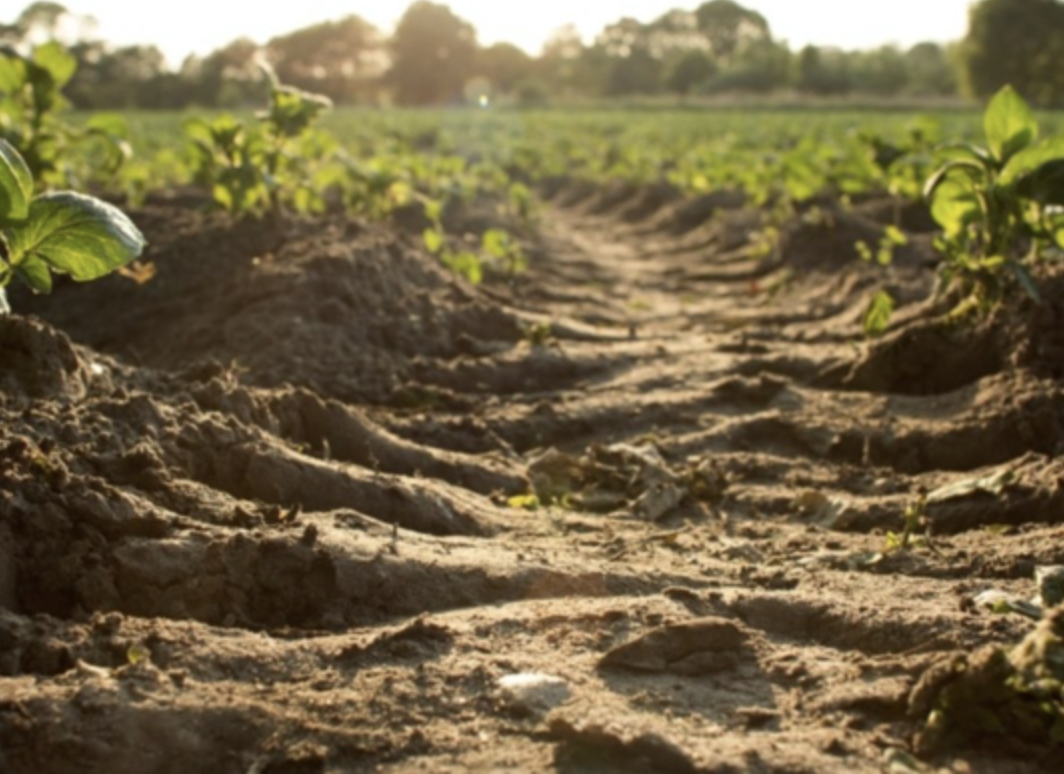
(632, 67)
(1018, 42)
(689, 70)
(122, 78)
(227, 77)
(930, 71)
(433, 54)
(42, 21)
(340, 59)
(505, 66)
(880, 72)
(761, 67)
(731, 28)
(560, 67)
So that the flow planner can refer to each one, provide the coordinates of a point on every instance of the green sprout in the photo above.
(60, 232)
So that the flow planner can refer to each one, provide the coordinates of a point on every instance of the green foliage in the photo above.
(31, 103)
(877, 316)
(997, 205)
(251, 167)
(61, 232)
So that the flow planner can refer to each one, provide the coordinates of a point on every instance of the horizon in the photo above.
(180, 32)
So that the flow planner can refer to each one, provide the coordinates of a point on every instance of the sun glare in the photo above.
(197, 26)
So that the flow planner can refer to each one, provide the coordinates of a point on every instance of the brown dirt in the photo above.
(256, 515)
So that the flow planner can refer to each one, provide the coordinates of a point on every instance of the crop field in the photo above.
(485, 440)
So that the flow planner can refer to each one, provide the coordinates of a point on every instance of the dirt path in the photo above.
(309, 505)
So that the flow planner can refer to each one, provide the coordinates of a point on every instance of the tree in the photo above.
(689, 70)
(433, 55)
(227, 77)
(340, 59)
(40, 22)
(122, 78)
(881, 71)
(566, 66)
(1017, 42)
(632, 67)
(930, 71)
(505, 66)
(731, 28)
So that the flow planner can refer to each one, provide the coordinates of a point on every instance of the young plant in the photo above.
(31, 102)
(61, 232)
(503, 248)
(999, 205)
(249, 168)
(464, 262)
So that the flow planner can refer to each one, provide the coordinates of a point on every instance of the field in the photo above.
(535, 441)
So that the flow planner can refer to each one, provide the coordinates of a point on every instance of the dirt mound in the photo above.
(933, 354)
(338, 307)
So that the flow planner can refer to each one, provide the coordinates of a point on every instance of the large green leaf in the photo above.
(1010, 124)
(57, 61)
(13, 72)
(1032, 158)
(34, 272)
(16, 184)
(75, 234)
(954, 204)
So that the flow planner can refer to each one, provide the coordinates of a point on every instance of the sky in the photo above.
(200, 26)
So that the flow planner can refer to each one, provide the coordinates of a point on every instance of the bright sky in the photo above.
(200, 26)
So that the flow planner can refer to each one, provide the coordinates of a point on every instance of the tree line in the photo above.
(433, 57)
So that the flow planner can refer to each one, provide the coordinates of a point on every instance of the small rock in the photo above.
(533, 693)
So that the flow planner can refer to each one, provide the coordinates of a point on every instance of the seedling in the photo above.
(61, 232)
(31, 102)
(249, 168)
(915, 518)
(502, 247)
(463, 262)
(999, 205)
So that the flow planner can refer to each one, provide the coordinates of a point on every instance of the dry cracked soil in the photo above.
(305, 502)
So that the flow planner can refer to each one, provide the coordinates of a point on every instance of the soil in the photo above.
(306, 502)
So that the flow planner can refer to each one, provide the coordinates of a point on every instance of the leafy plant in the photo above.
(31, 102)
(500, 246)
(60, 232)
(999, 205)
(249, 167)
(877, 315)
(464, 262)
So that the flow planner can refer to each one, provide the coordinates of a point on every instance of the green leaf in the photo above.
(877, 316)
(13, 72)
(292, 110)
(963, 169)
(466, 264)
(1030, 159)
(496, 243)
(963, 151)
(34, 272)
(1010, 125)
(433, 240)
(75, 234)
(954, 205)
(57, 61)
(16, 184)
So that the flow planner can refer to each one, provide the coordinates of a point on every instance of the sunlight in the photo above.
(198, 26)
